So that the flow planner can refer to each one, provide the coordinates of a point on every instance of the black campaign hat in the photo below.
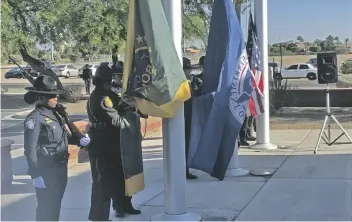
(186, 63)
(103, 72)
(44, 85)
(202, 60)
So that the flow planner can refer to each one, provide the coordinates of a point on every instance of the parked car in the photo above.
(14, 73)
(298, 71)
(66, 71)
(313, 61)
(92, 67)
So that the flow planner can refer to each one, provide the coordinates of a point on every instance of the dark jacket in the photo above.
(104, 118)
(87, 74)
(46, 137)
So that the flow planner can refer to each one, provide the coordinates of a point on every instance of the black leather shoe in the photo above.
(191, 177)
(128, 207)
(119, 213)
(131, 210)
(251, 138)
(244, 143)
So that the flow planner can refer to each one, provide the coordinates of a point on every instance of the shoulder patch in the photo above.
(30, 122)
(108, 102)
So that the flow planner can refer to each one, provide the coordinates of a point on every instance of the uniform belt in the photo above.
(98, 124)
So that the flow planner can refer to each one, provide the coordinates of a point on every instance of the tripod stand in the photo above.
(327, 123)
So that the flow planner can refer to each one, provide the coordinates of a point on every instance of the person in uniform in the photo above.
(188, 115)
(117, 71)
(46, 140)
(87, 76)
(104, 150)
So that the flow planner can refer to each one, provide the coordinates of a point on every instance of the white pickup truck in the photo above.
(300, 71)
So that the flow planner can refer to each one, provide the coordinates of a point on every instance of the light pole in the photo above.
(263, 126)
(175, 186)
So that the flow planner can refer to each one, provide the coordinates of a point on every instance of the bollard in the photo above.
(6, 163)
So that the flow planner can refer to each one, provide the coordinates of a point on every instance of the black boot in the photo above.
(244, 143)
(190, 176)
(119, 212)
(128, 207)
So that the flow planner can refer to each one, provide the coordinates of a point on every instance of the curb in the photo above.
(18, 116)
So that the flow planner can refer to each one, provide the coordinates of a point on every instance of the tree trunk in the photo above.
(114, 54)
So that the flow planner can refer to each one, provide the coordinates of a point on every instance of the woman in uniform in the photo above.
(46, 140)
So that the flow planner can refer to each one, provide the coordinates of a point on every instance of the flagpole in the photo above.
(175, 185)
(263, 126)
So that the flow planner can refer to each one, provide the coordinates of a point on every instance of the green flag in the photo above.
(153, 78)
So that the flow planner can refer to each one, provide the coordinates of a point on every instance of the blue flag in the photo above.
(218, 114)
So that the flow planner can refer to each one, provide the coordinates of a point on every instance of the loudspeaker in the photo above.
(327, 67)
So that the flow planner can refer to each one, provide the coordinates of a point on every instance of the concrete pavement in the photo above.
(304, 186)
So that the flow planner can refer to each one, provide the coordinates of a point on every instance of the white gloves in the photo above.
(39, 182)
(84, 141)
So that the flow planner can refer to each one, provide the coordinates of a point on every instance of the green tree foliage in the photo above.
(197, 15)
(300, 39)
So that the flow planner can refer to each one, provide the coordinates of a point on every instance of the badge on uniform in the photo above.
(30, 122)
(47, 120)
(108, 102)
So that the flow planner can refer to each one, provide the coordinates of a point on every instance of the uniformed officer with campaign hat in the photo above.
(104, 150)
(46, 142)
(117, 71)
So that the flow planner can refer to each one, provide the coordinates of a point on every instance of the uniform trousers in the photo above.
(108, 183)
(49, 198)
(244, 130)
(188, 123)
(87, 85)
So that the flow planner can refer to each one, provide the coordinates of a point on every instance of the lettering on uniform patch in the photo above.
(30, 122)
(108, 102)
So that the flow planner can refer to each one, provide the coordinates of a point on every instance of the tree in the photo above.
(300, 39)
(329, 43)
(99, 25)
(317, 42)
(337, 40)
(202, 9)
(90, 26)
(347, 41)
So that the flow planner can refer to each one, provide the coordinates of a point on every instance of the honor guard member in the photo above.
(188, 116)
(87, 77)
(104, 150)
(117, 71)
(46, 140)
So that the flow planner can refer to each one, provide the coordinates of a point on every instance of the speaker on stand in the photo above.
(328, 73)
(327, 67)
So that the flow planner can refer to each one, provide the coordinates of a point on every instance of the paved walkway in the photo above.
(304, 186)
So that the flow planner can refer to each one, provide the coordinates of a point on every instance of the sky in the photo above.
(311, 19)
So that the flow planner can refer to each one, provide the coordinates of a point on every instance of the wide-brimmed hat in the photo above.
(103, 72)
(45, 85)
(186, 63)
(202, 60)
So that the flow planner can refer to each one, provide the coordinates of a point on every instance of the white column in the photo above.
(263, 121)
(175, 190)
(233, 169)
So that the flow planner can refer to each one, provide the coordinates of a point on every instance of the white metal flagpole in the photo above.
(175, 186)
(233, 169)
(263, 128)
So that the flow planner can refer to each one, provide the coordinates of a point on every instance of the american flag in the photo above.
(255, 103)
